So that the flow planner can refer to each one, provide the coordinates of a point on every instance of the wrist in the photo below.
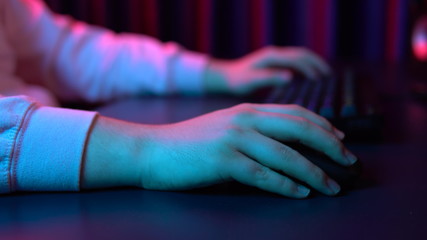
(112, 157)
(216, 77)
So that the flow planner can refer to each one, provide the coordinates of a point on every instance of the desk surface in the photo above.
(390, 202)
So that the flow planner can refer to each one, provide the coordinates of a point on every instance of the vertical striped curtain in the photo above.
(367, 30)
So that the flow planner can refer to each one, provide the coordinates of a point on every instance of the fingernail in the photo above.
(339, 134)
(351, 159)
(303, 191)
(333, 186)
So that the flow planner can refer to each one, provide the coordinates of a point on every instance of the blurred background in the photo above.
(361, 30)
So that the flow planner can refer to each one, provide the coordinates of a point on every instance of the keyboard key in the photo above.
(327, 109)
(350, 104)
(303, 93)
(348, 108)
(314, 98)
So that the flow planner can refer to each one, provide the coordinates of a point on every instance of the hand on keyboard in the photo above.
(269, 66)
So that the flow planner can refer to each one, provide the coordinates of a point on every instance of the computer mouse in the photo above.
(345, 176)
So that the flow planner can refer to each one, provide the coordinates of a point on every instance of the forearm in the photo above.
(113, 154)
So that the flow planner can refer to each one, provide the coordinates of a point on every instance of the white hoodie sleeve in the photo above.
(94, 64)
(41, 148)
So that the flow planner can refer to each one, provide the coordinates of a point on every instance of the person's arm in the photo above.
(92, 63)
(95, 64)
(53, 149)
(243, 143)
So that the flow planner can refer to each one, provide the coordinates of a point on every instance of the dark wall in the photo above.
(374, 30)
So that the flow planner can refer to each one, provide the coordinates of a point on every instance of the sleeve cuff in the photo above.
(188, 73)
(51, 151)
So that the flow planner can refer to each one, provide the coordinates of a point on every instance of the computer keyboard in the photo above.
(348, 100)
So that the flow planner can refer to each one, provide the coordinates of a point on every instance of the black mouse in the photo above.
(345, 176)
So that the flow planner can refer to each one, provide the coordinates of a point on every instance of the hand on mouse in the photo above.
(241, 143)
(268, 66)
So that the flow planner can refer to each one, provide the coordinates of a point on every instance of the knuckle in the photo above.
(289, 186)
(243, 117)
(286, 152)
(323, 122)
(303, 125)
(283, 150)
(318, 174)
(335, 143)
(285, 183)
(259, 173)
(293, 190)
(296, 108)
(245, 106)
(223, 160)
(234, 133)
(243, 114)
(338, 148)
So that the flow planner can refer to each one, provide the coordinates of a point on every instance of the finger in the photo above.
(278, 58)
(260, 76)
(286, 127)
(249, 172)
(265, 78)
(296, 110)
(278, 156)
(320, 64)
(309, 57)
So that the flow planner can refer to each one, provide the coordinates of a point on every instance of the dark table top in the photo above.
(389, 201)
